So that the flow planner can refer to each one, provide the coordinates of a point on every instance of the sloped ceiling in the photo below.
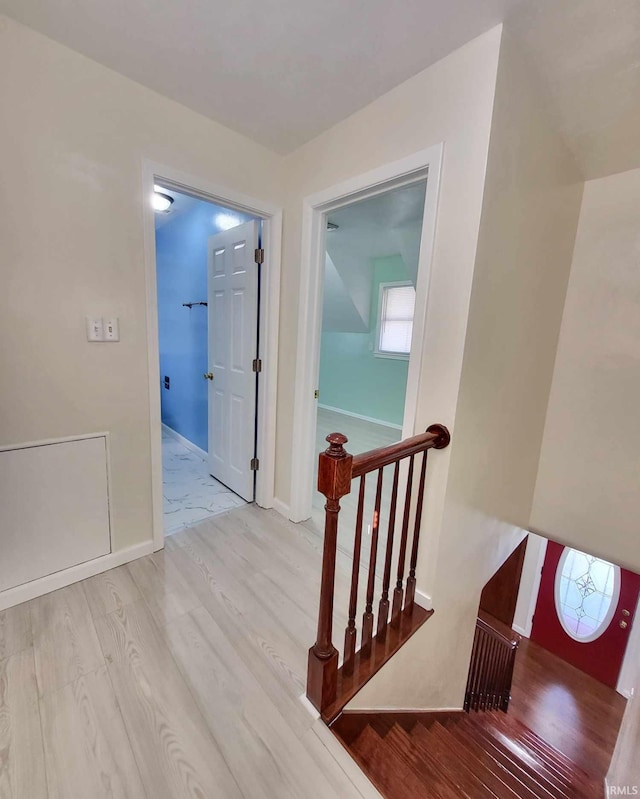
(587, 56)
(283, 73)
(280, 73)
(383, 225)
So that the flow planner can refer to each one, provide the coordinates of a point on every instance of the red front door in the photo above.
(585, 611)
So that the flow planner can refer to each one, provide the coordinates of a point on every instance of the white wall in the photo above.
(624, 771)
(529, 217)
(450, 102)
(72, 138)
(529, 584)
(588, 490)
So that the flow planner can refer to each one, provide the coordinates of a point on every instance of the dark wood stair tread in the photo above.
(461, 756)
(529, 769)
(435, 769)
(513, 780)
(557, 761)
(388, 772)
(497, 781)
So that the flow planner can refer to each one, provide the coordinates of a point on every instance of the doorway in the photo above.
(233, 276)
(585, 611)
(578, 607)
(208, 318)
(372, 249)
(321, 220)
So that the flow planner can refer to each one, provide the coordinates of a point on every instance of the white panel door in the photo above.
(233, 309)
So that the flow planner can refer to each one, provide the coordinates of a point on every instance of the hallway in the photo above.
(177, 675)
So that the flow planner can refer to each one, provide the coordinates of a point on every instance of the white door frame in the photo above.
(271, 216)
(426, 163)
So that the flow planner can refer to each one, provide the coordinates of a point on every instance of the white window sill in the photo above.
(394, 356)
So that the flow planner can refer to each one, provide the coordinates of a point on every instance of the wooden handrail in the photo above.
(328, 687)
(491, 670)
(436, 437)
(512, 643)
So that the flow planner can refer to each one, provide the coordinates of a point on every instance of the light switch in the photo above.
(95, 329)
(112, 329)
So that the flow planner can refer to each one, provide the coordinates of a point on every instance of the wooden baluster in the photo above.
(482, 671)
(504, 677)
(512, 663)
(367, 617)
(351, 631)
(334, 481)
(402, 554)
(383, 608)
(472, 682)
(411, 579)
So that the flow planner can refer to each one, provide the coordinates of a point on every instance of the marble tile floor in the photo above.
(190, 493)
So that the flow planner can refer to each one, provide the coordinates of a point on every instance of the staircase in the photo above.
(448, 756)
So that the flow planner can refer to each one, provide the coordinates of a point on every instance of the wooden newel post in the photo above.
(334, 481)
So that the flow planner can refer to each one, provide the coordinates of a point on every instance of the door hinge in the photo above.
(255, 464)
(257, 364)
(259, 255)
(316, 394)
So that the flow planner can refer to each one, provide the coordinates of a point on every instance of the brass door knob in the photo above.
(623, 624)
(208, 375)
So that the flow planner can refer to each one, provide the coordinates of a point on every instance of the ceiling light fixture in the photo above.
(161, 202)
(226, 221)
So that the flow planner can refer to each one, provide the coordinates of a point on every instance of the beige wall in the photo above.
(450, 102)
(588, 489)
(529, 218)
(624, 771)
(72, 138)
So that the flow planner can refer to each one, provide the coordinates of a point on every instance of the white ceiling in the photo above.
(386, 224)
(182, 204)
(280, 73)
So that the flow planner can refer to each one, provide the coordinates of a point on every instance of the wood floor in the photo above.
(566, 707)
(178, 675)
(451, 755)
(555, 742)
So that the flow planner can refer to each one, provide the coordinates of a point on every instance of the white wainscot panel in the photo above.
(54, 508)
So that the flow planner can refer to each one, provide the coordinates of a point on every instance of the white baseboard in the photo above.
(281, 507)
(360, 416)
(61, 579)
(306, 703)
(424, 600)
(520, 630)
(185, 442)
(352, 770)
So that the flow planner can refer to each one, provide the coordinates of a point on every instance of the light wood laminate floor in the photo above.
(178, 675)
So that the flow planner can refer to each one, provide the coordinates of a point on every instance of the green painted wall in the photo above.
(352, 378)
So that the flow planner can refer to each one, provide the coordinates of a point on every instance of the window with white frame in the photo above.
(396, 307)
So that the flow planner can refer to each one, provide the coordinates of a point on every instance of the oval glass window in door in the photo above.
(586, 594)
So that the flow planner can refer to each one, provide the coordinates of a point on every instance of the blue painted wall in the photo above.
(181, 262)
(352, 378)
